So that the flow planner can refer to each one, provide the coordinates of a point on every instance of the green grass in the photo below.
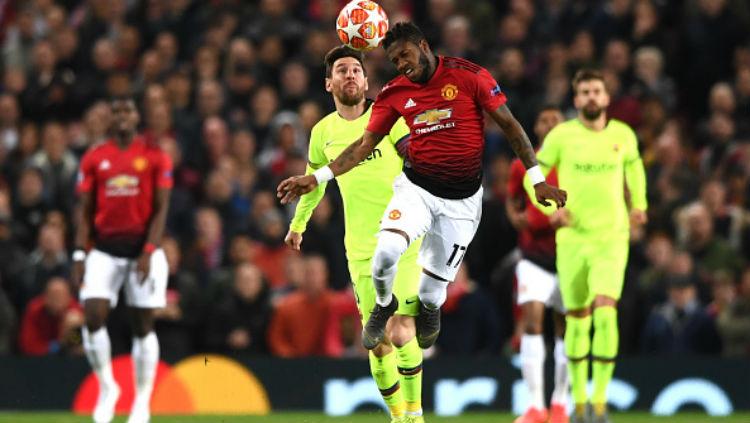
(360, 418)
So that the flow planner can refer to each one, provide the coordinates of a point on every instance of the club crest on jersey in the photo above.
(449, 91)
(616, 147)
(140, 163)
(395, 214)
(433, 116)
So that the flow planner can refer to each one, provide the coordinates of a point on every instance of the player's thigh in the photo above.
(534, 282)
(454, 225)
(608, 264)
(572, 272)
(103, 276)
(406, 283)
(152, 292)
(407, 210)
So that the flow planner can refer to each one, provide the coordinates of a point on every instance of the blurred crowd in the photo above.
(231, 88)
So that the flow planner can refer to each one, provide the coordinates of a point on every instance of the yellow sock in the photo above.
(386, 377)
(410, 371)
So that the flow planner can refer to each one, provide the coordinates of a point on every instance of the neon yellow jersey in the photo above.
(365, 190)
(593, 167)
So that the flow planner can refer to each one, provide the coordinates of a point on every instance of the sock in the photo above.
(384, 263)
(603, 351)
(410, 371)
(560, 393)
(532, 368)
(98, 352)
(145, 354)
(386, 377)
(577, 348)
(432, 291)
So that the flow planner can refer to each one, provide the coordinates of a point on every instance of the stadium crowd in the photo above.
(230, 89)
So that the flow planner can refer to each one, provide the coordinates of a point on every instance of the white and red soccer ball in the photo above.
(362, 25)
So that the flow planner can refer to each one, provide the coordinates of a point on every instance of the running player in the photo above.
(595, 157)
(439, 193)
(396, 362)
(538, 287)
(124, 185)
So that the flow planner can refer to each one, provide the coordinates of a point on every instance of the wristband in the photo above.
(324, 174)
(535, 174)
(79, 255)
(149, 248)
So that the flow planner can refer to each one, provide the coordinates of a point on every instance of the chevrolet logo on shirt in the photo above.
(433, 116)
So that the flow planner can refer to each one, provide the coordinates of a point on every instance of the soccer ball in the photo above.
(362, 25)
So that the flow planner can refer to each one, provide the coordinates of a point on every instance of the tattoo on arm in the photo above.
(515, 135)
(355, 153)
(522, 146)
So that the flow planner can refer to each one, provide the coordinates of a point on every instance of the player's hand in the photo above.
(560, 218)
(143, 267)
(638, 217)
(293, 239)
(545, 192)
(76, 274)
(292, 188)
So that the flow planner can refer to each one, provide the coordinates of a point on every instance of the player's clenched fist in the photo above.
(292, 188)
(545, 192)
(293, 239)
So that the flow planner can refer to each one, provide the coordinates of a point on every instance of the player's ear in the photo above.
(424, 46)
(367, 86)
(328, 85)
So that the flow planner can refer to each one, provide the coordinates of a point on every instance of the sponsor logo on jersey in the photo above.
(595, 167)
(122, 186)
(433, 116)
(139, 164)
(409, 104)
(449, 91)
(395, 214)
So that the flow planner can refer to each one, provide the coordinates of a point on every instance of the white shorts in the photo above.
(105, 274)
(448, 225)
(538, 284)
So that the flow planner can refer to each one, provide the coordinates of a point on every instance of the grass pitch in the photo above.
(360, 418)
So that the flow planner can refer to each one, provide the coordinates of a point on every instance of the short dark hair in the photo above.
(340, 52)
(549, 107)
(587, 74)
(403, 31)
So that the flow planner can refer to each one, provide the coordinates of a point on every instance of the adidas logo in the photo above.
(409, 103)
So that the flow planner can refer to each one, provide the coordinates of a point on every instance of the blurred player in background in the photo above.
(538, 287)
(439, 193)
(124, 186)
(396, 362)
(594, 158)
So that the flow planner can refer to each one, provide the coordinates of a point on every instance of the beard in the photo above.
(424, 63)
(592, 114)
(351, 99)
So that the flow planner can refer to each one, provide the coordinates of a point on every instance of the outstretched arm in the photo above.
(521, 145)
(291, 188)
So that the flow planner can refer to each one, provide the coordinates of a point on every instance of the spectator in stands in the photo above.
(238, 321)
(30, 206)
(179, 321)
(734, 321)
(48, 260)
(51, 322)
(681, 325)
(301, 319)
(58, 166)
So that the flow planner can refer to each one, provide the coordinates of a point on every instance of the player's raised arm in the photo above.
(521, 145)
(291, 188)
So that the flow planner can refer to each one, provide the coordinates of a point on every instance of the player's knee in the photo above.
(432, 291)
(532, 327)
(390, 247)
(401, 335)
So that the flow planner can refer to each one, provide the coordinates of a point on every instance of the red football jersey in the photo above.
(124, 183)
(537, 240)
(446, 119)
